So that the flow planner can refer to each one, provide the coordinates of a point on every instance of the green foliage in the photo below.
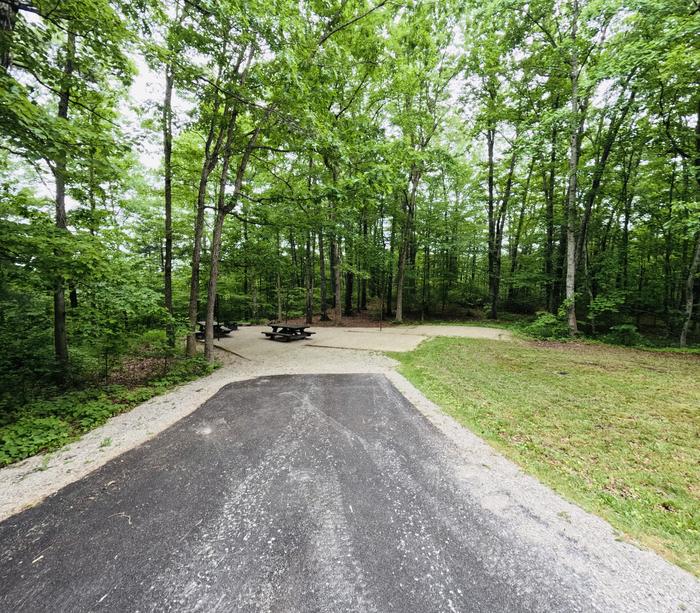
(48, 424)
(547, 326)
(624, 334)
(605, 304)
(30, 435)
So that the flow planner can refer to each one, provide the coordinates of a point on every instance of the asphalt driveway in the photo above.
(287, 493)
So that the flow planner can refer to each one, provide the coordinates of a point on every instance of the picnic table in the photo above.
(288, 332)
(220, 329)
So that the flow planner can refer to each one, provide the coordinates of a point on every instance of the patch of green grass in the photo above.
(615, 430)
(48, 424)
(501, 324)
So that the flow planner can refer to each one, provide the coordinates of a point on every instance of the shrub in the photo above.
(49, 423)
(547, 326)
(624, 334)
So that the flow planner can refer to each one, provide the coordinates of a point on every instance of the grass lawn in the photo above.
(615, 430)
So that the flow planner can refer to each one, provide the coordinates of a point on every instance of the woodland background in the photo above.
(324, 158)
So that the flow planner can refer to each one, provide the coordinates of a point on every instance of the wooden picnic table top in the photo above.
(289, 326)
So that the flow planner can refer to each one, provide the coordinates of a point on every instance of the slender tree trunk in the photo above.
(363, 282)
(211, 288)
(592, 193)
(196, 260)
(499, 222)
(400, 275)
(668, 247)
(322, 266)
(222, 210)
(212, 148)
(349, 276)
(211, 157)
(332, 254)
(549, 183)
(59, 170)
(309, 281)
(293, 248)
(245, 257)
(337, 303)
(217, 238)
(689, 292)
(390, 273)
(425, 285)
(410, 203)
(490, 138)
(573, 175)
(349, 288)
(168, 195)
(518, 230)
(278, 281)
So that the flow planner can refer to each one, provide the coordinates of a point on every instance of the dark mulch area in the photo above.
(136, 371)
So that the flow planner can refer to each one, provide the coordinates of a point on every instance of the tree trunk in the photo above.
(363, 282)
(390, 273)
(332, 254)
(349, 276)
(668, 246)
(337, 306)
(211, 288)
(490, 138)
(217, 237)
(293, 248)
(410, 203)
(211, 156)
(689, 292)
(196, 260)
(573, 176)
(499, 222)
(59, 170)
(222, 210)
(322, 266)
(592, 193)
(309, 280)
(400, 275)
(549, 183)
(518, 231)
(212, 148)
(278, 281)
(168, 196)
(349, 288)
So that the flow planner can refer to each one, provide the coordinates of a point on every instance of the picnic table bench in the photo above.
(220, 329)
(288, 332)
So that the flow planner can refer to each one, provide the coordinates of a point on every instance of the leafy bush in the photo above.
(624, 334)
(547, 326)
(605, 307)
(30, 435)
(48, 424)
